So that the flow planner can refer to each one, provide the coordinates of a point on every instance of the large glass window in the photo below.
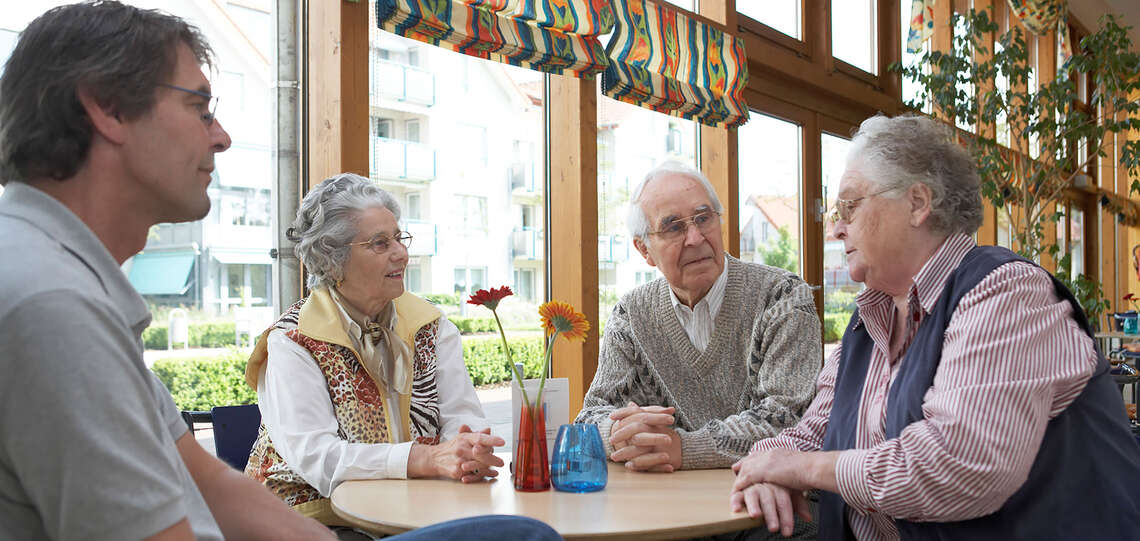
(631, 141)
(769, 171)
(782, 15)
(458, 143)
(839, 289)
(854, 33)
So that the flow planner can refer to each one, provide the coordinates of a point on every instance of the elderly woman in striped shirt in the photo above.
(967, 399)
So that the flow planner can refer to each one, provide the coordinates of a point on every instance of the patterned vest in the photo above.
(357, 399)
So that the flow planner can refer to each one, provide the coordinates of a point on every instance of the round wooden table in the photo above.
(632, 506)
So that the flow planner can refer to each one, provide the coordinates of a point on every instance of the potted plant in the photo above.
(1031, 148)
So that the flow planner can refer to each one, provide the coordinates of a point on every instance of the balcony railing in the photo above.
(393, 159)
(613, 248)
(425, 238)
(402, 82)
(526, 243)
(521, 177)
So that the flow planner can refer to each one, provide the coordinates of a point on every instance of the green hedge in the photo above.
(468, 325)
(206, 334)
(200, 383)
(834, 323)
(487, 363)
(441, 298)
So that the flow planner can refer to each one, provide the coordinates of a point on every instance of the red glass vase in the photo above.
(532, 470)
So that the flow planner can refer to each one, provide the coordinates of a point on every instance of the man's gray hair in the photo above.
(637, 221)
(326, 223)
(117, 53)
(894, 153)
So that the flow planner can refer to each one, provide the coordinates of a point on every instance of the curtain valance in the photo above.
(663, 60)
(555, 36)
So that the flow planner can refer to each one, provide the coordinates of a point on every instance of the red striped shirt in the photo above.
(1012, 360)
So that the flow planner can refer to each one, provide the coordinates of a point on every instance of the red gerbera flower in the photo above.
(490, 298)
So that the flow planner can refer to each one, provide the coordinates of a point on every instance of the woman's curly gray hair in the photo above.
(326, 223)
(894, 153)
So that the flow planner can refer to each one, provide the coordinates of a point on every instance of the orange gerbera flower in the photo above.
(561, 317)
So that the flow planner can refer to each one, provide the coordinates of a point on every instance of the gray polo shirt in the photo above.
(86, 431)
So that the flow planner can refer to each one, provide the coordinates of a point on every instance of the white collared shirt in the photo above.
(698, 321)
(298, 414)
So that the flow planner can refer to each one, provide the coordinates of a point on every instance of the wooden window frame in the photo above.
(797, 80)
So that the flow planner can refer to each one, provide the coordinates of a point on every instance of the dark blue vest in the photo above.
(1085, 481)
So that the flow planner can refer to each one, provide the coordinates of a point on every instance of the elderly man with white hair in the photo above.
(967, 399)
(697, 365)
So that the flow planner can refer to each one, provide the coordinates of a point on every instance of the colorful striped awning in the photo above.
(1039, 16)
(554, 36)
(663, 60)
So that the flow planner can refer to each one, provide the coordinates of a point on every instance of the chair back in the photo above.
(235, 429)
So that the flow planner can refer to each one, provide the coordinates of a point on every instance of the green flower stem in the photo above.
(510, 362)
(545, 368)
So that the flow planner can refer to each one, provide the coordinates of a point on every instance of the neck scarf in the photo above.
(384, 355)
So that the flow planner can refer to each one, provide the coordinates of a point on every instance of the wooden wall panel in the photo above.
(573, 225)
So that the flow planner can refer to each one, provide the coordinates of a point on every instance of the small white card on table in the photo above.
(556, 402)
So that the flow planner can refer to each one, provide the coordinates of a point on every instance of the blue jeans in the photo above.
(484, 528)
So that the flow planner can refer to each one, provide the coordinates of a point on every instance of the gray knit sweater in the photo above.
(755, 378)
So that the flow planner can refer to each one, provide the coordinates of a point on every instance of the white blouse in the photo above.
(298, 414)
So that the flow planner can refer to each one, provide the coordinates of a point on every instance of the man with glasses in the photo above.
(106, 128)
(697, 365)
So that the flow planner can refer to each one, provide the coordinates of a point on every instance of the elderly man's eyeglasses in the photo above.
(845, 208)
(381, 244)
(705, 222)
(206, 109)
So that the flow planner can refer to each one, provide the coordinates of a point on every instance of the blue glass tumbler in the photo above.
(579, 463)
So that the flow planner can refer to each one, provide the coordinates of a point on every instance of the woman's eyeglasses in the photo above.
(845, 208)
(380, 244)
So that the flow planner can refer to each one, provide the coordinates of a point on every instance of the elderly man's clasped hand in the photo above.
(468, 457)
(644, 440)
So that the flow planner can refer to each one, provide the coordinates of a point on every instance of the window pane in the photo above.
(1077, 241)
(853, 33)
(1004, 228)
(690, 5)
(782, 15)
(631, 141)
(465, 157)
(911, 90)
(839, 289)
(769, 172)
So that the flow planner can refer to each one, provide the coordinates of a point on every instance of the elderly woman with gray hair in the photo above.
(361, 380)
(967, 399)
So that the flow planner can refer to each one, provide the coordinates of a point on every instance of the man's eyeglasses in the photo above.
(207, 109)
(705, 222)
(845, 208)
(381, 244)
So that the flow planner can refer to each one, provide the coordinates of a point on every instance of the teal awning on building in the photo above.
(162, 273)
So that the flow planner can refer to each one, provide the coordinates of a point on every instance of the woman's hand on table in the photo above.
(777, 505)
(468, 457)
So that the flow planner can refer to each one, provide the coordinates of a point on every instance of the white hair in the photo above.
(637, 221)
(326, 223)
(894, 153)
